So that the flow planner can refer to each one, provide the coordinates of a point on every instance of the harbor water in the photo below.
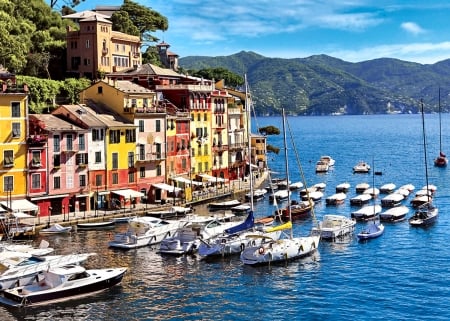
(401, 275)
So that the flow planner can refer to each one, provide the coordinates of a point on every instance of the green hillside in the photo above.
(322, 85)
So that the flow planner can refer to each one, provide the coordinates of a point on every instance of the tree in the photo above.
(70, 3)
(144, 19)
(231, 79)
(269, 130)
(151, 56)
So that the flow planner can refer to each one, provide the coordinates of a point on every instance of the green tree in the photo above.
(70, 3)
(151, 56)
(269, 130)
(231, 79)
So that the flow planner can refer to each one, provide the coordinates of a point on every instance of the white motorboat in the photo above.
(197, 229)
(313, 196)
(295, 186)
(361, 187)
(402, 191)
(280, 195)
(328, 160)
(367, 212)
(361, 167)
(172, 212)
(143, 231)
(387, 188)
(394, 214)
(336, 199)
(371, 231)
(226, 205)
(409, 187)
(25, 273)
(343, 188)
(320, 186)
(62, 283)
(258, 194)
(56, 229)
(392, 200)
(95, 225)
(420, 200)
(360, 199)
(334, 226)
(322, 167)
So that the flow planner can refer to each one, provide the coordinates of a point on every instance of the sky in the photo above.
(351, 30)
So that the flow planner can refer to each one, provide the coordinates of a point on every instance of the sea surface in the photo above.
(402, 275)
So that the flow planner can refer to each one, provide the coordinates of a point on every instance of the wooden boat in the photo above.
(96, 225)
(394, 214)
(366, 213)
(226, 205)
(391, 200)
(336, 199)
(361, 167)
(343, 188)
(62, 283)
(372, 230)
(360, 199)
(56, 229)
(418, 201)
(334, 226)
(297, 210)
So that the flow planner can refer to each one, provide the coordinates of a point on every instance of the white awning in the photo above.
(206, 176)
(167, 187)
(21, 215)
(128, 193)
(213, 179)
(48, 197)
(187, 181)
(20, 205)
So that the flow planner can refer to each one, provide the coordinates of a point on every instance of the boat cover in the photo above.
(284, 226)
(247, 224)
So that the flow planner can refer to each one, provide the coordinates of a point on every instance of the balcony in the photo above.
(37, 140)
(148, 157)
(35, 164)
(236, 146)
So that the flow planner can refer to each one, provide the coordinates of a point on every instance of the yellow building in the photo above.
(13, 146)
(95, 49)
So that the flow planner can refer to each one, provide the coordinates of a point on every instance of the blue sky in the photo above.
(352, 30)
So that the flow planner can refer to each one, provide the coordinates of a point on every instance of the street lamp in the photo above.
(64, 213)
(96, 202)
(84, 206)
(49, 215)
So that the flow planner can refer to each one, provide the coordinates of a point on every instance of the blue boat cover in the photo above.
(247, 224)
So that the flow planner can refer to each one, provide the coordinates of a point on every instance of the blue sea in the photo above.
(401, 275)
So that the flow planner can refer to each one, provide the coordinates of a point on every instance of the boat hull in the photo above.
(95, 226)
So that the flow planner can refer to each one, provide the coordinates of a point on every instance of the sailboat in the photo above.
(375, 229)
(284, 249)
(441, 160)
(427, 213)
(237, 238)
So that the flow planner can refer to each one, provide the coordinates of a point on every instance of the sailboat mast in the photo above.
(425, 148)
(287, 168)
(440, 129)
(249, 138)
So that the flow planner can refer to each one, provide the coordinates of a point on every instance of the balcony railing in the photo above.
(150, 157)
(37, 140)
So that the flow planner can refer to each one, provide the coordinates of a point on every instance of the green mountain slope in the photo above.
(322, 85)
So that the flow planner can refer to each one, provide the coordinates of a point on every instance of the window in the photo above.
(16, 129)
(56, 182)
(158, 151)
(130, 159)
(133, 102)
(88, 44)
(15, 109)
(82, 180)
(69, 181)
(114, 136)
(8, 158)
(200, 168)
(8, 183)
(183, 163)
(115, 178)
(69, 142)
(98, 157)
(115, 160)
(130, 177)
(198, 117)
(205, 117)
(206, 166)
(145, 102)
(81, 142)
(35, 181)
(141, 126)
(141, 172)
(36, 158)
(56, 144)
(98, 180)
(158, 170)
(56, 160)
(141, 155)
(158, 125)
(97, 134)
(99, 90)
(130, 136)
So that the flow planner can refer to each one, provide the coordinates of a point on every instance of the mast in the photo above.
(287, 168)
(249, 138)
(425, 149)
(440, 129)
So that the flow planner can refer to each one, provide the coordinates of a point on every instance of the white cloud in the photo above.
(412, 27)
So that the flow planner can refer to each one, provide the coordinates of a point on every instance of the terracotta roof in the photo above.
(130, 87)
(147, 69)
(106, 115)
(53, 123)
(81, 111)
(85, 14)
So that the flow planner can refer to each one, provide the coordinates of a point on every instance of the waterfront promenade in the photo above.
(234, 189)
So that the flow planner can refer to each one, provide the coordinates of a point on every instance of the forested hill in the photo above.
(322, 85)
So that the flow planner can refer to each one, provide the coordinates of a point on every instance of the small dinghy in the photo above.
(56, 229)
